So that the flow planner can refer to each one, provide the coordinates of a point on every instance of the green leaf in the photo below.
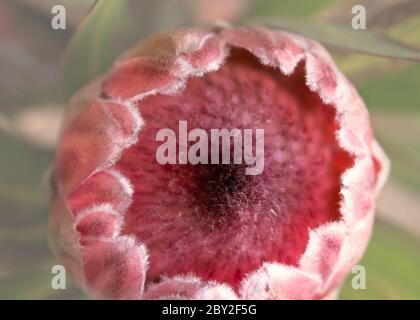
(295, 8)
(346, 38)
(95, 45)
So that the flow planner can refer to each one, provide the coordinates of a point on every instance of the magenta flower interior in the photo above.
(214, 220)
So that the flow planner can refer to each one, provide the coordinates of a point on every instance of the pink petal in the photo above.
(323, 251)
(273, 48)
(279, 282)
(162, 64)
(179, 287)
(98, 222)
(115, 268)
(92, 141)
(356, 241)
(215, 291)
(102, 187)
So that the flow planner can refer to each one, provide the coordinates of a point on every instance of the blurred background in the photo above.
(41, 67)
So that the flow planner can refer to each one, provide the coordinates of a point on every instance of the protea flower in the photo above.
(128, 227)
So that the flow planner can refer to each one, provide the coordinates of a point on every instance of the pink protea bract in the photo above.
(128, 227)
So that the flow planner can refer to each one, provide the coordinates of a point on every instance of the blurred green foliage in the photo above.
(23, 166)
(93, 46)
(295, 8)
(394, 91)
